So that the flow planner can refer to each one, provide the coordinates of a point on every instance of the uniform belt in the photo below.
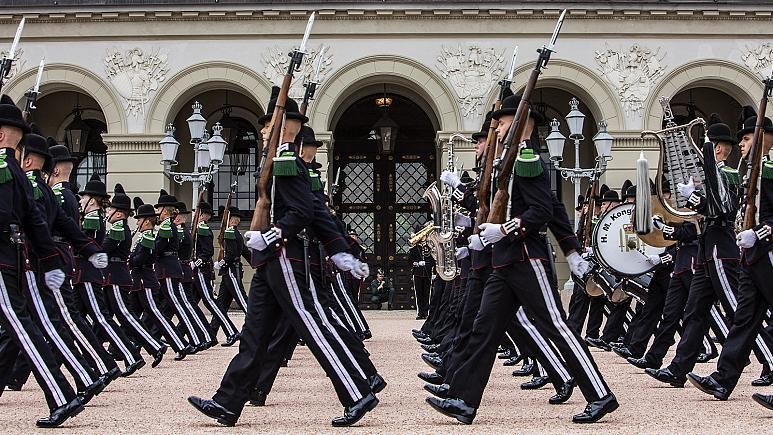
(117, 260)
(168, 254)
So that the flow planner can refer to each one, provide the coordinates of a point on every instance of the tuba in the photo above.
(680, 159)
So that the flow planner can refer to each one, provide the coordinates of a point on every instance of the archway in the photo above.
(381, 186)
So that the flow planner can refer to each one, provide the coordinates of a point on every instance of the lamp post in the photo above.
(208, 152)
(556, 141)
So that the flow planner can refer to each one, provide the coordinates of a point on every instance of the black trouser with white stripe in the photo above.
(203, 287)
(20, 330)
(532, 343)
(651, 313)
(350, 310)
(278, 290)
(194, 313)
(130, 325)
(150, 300)
(231, 289)
(616, 320)
(522, 284)
(96, 307)
(170, 291)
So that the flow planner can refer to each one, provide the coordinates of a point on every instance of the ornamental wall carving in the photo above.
(632, 72)
(276, 62)
(759, 59)
(136, 74)
(17, 65)
(471, 71)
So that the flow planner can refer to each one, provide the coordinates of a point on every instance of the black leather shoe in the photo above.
(62, 413)
(665, 376)
(231, 340)
(562, 394)
(535, 383)
(431, 348)
(425, 340)
(432, 360)
(353, 414)
(181, 354)
(111, 375)
(708, 385)
(599, 343)
(513, 360)
(527, 370)
(622, 351)
(642, 363)
(210, 408)
(765, 400)
(211, 343)
(438, 390)
(706, 357)
(158, 356)
(431, 378)
(594, 411)
(91, 391)
(376, 383)
(455, 408)
(507, 354)
(140, 363)
(764, 380)
(258, 398)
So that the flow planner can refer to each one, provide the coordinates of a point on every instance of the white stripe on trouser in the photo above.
(29, 347)
(551, 356)
(336, 318)
(180, 312)
(162, 320)
(763, 347)
(349, 301)
(78, 334)
(196, 319)
(65, 351)
(416, 296)
(706, 345)
(346, 315)
(213, 306)
(541, 370)
(563, 329)
(719, 320)
(314, 330)
(128, 357)
(130, 318)
(515, 346)
(237, 290)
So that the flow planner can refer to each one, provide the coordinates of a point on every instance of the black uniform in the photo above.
(231, 286)
(185, 287)
(422, 271)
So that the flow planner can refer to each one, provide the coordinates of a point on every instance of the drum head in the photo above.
(616, 245)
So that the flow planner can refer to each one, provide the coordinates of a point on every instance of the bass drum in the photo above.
(616, 245)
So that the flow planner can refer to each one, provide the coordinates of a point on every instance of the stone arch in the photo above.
(580, 81)
(201, 78)
(407, 73)
(730, 78)
(64, 77)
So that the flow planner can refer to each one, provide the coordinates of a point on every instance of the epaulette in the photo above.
(148, 239)
(58, 188)
(91, 221)
(5, 172)
(180, 230)
(528, 164)
(230, 234)
(165, 229)
(284, 162)
(767, 170)
(202, 229)
(732, 175)
(316, 183)
(117, 232)
(36, 192)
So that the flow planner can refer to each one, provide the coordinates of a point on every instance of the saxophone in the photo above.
(441, 241)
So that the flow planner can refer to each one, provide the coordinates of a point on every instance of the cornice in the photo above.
(132, 143)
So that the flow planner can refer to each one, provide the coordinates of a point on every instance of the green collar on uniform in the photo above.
(528, 164)
(36, 192)
(91, 220)
(117, 232)
(230, 233)
(767, 170)
(165, 229)
(202, 229)
(5, 172)
(148, 239)
(316, 183)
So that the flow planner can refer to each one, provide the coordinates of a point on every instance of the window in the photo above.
(239, 165)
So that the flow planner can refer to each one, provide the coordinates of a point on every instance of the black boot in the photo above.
(353, 414)
(595, 411)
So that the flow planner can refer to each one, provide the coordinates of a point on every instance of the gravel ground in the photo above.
(154, 400)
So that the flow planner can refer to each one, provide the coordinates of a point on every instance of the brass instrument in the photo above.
(420, 236)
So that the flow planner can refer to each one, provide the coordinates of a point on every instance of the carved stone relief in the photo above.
(759, 59)
(633, 73)
(471, 71)
(135, 74)
(18, 64)
(276, 61)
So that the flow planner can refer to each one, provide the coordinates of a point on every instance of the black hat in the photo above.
(143, 210)
(10, 115)
(719, 131)
(630, 192)
(234, 211)
(120, 201)
(510, 107)
(610, 196)
(307, 138)
(602, 190)
(182, 208)
(205, 207)
(751, 122)
(37, 144)
(291, 109)
(626, 185)
(95, 187)
(483, 133)
(59, 153)
(166, 200)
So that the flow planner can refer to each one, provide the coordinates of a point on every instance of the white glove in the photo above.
(475, 243)
(54, 279)
(462, 252)
(360, 270)
(260, 240)
(746, 239)
(686, 189)
(219, 264)
(461, 220)
(491, 233)
(344, 261)
(196, 263)
(422, 263)
(658, 223)
(415, 264)
(577, 264)
(98, 260)
(450, 178)
(654, 259)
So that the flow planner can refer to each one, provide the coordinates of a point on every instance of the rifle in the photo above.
(224, 222)
(748, 212)
(586, 218)
(32, 94)
(510, 153)
(196, 218)
(311, 86)
(261, 219)
(7, 62)
(484, 189)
